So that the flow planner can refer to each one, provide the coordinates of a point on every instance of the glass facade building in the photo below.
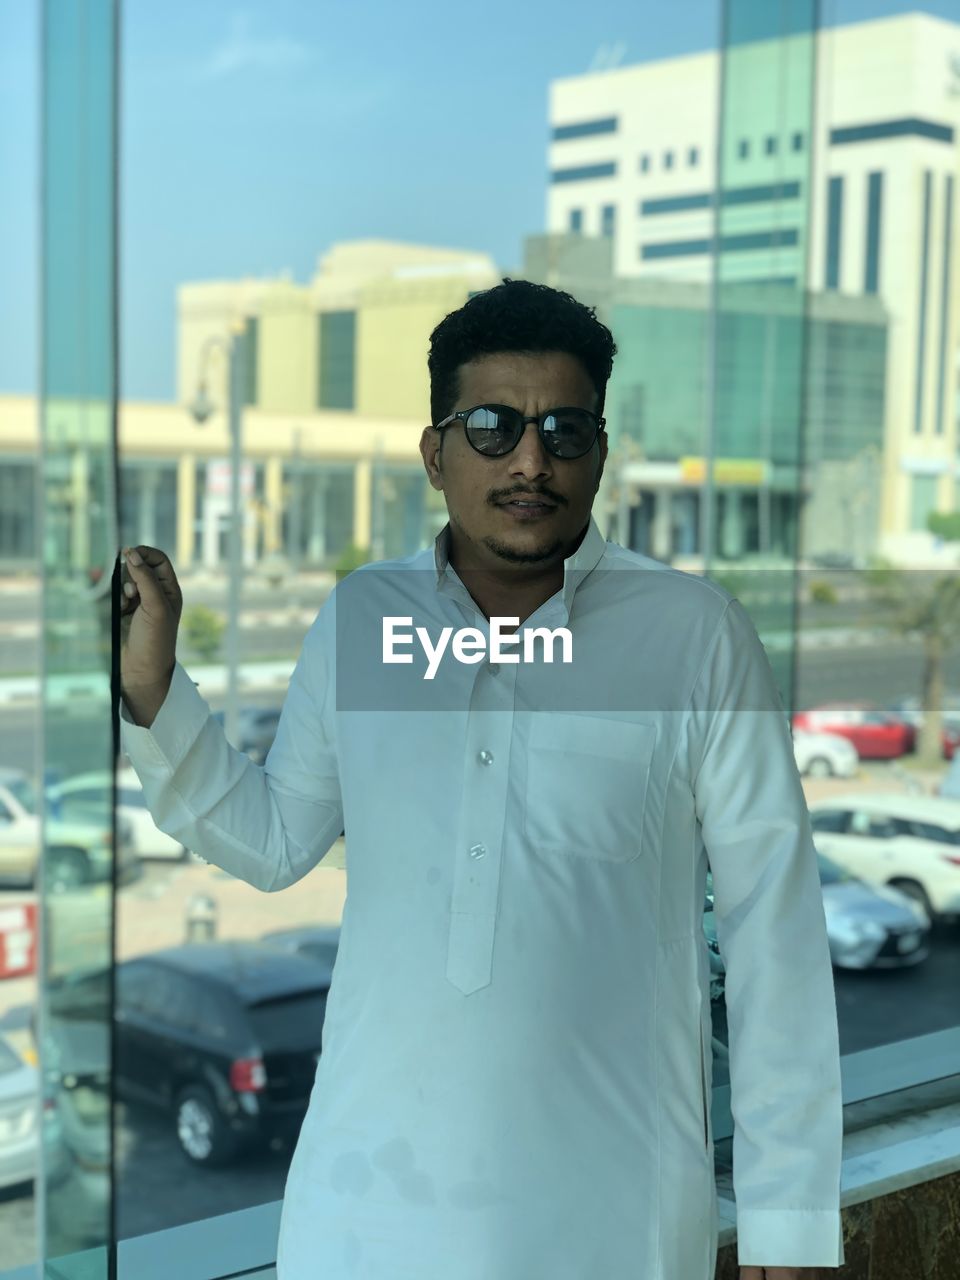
(783, 408)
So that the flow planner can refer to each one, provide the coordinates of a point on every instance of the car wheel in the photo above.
(820, 767)
(202, 1135)
(65, 869)
(915, 891)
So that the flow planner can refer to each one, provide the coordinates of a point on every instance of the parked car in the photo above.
(79, 848)
(90, 793)
(867, 927)
(223, 1036)
(19, 1117)
(317, 942)
(876, 734)
(825, 755)
(717, 967)
(257, 728)
(870, 926)
(909, 842)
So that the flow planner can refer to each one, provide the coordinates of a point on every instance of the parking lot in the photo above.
(157, 1188)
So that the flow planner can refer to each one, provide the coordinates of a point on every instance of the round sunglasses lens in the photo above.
(569, 433)
(490, 431)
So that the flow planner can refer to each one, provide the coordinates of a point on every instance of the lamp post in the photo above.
(201, 409)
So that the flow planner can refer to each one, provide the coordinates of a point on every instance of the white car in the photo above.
(825, 755)
(910, 842)
(89, 790)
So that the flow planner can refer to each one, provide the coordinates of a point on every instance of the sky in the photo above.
(254, 136)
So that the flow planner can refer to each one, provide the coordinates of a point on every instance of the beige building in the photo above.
(336, 394)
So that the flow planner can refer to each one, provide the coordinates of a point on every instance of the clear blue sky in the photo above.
(255, 136)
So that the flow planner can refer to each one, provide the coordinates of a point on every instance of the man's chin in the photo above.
(523, 550)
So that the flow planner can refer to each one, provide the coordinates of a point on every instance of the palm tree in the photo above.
(925, 603)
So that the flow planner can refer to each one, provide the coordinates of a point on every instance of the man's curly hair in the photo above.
(522, 317)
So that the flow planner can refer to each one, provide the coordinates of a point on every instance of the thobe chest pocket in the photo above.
(587, 780)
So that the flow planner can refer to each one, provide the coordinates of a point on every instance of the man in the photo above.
(515, 1076)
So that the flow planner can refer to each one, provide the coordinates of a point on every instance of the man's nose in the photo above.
(530, 457)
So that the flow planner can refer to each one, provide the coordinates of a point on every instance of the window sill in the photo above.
(894, 1141)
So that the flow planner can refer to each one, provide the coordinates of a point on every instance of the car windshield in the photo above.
(932, 831)
(289, 1022)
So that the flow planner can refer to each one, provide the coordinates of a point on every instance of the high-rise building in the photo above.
(861, 200)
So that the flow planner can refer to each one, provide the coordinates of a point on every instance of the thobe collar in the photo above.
(576, 567)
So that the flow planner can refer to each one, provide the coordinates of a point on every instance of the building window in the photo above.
(583, 172)
(743, 149)
(923, 500)
(938, 425)
(693, 157)
(337, 335)
(584, 128)
(645, 163)
(250, 346)
(871, 275)
(834, 232)
(922, 302)
(576, 220)
(608, 216)
(798, 142)
(770, 145)
(668, 159)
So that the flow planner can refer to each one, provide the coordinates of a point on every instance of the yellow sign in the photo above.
(746, 471)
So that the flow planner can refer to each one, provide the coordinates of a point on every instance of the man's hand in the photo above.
(780, 1273)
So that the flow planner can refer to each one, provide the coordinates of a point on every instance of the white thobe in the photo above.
(515, 1071)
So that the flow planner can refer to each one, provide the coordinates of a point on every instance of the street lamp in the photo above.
(201, 409)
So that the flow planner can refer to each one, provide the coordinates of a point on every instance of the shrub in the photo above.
(202, 629)
(352, 557)
(822, 592)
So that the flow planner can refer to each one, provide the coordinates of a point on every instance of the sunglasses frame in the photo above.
(540, 419)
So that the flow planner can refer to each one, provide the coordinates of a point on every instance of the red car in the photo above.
(877, 734)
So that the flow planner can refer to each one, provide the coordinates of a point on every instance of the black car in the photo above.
(225, 1036)
(317, 942)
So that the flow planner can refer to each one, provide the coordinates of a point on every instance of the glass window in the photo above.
(693, 157)
(743, 149)
(931, 831)
(171, 1000)
(834, 820)
(608, 216)
(645, 163)
(668, 159)
(871, 275)
(134, 984)
(576, 220)
(770, 145)
(923, 499)
(299, 1017)
(834, 231)
(336, 364)
(797, 142)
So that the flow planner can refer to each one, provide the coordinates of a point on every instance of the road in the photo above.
(156, 1188)
(879, 673)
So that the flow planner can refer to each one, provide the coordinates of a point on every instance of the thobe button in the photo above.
(477, 850)
(493, 668)
(485, 757)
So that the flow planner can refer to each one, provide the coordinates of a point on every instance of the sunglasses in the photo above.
(495, 429)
